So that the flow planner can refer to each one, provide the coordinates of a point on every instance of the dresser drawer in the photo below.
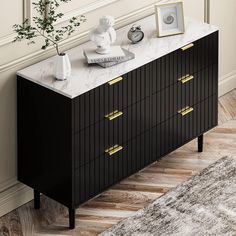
(127, 124)
(183, 128)
(188, 92)
(140, 83)
(187, 60)
(205, 83)
(199, 56)
(116, 95)
(107, 170)
(92, 106)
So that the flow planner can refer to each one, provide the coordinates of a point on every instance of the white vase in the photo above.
(62, 67)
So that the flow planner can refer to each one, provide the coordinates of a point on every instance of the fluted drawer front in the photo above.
(201, 55)
(93, 105)
(127, 124)
(106, 170)
(189, 91)
(185, 126)
(144, 81)
(197, 56)
(92, 141)
(153, 110)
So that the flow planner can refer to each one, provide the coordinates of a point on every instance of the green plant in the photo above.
(44, 25)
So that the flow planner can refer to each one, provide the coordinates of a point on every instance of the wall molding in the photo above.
(86, 9)
(27, 9)
(27, 14)
(7, 39)
(227, 83)
(75, 40)
(207, 11)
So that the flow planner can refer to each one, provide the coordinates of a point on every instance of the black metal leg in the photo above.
(72, 218)
(36, 199)
(200, 143)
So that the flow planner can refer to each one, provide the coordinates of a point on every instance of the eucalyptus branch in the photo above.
(44, 25)
(55, 44)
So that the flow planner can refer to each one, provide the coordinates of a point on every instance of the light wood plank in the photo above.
(133, 193)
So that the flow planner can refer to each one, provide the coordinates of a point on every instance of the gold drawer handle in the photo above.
(114, 81)
(187, 46)
(185, 111)
(111, 151)
(186, 78)
(113, 115)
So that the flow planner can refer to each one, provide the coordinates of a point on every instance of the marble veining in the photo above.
(85, 78)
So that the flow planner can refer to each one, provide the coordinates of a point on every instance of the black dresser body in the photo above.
(73, 149)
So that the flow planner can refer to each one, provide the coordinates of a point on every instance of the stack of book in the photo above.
(117, 56)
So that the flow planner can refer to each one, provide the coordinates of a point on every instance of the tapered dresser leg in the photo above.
(200, 143)
(72, 218)
(36, 199)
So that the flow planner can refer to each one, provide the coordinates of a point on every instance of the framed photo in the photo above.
(170, 19)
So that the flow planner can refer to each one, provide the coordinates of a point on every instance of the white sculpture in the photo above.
(104, 35)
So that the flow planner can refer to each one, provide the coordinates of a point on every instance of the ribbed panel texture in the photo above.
(150, 127)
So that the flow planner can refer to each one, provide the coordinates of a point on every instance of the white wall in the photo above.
(222, 14)
(16, 56)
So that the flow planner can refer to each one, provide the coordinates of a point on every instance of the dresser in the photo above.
(76, 138)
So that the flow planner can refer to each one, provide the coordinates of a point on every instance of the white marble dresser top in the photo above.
(85, 78)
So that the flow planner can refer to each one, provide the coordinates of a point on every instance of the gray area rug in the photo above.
(204, 205)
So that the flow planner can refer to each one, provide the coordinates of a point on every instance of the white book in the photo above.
(128, 56)
(116, 54)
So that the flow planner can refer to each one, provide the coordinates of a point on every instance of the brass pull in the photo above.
(185, 111)
(111, 151)
(113, 115)
(186, 78)
(187, 46)
(114, 81)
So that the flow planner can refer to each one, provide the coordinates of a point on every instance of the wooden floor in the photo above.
(132, 194)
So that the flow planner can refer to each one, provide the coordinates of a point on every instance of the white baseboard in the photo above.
(227, 83)
(19, 194)
(14, 197)
(8, 183)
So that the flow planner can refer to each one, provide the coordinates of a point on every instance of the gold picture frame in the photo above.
(170, 19)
